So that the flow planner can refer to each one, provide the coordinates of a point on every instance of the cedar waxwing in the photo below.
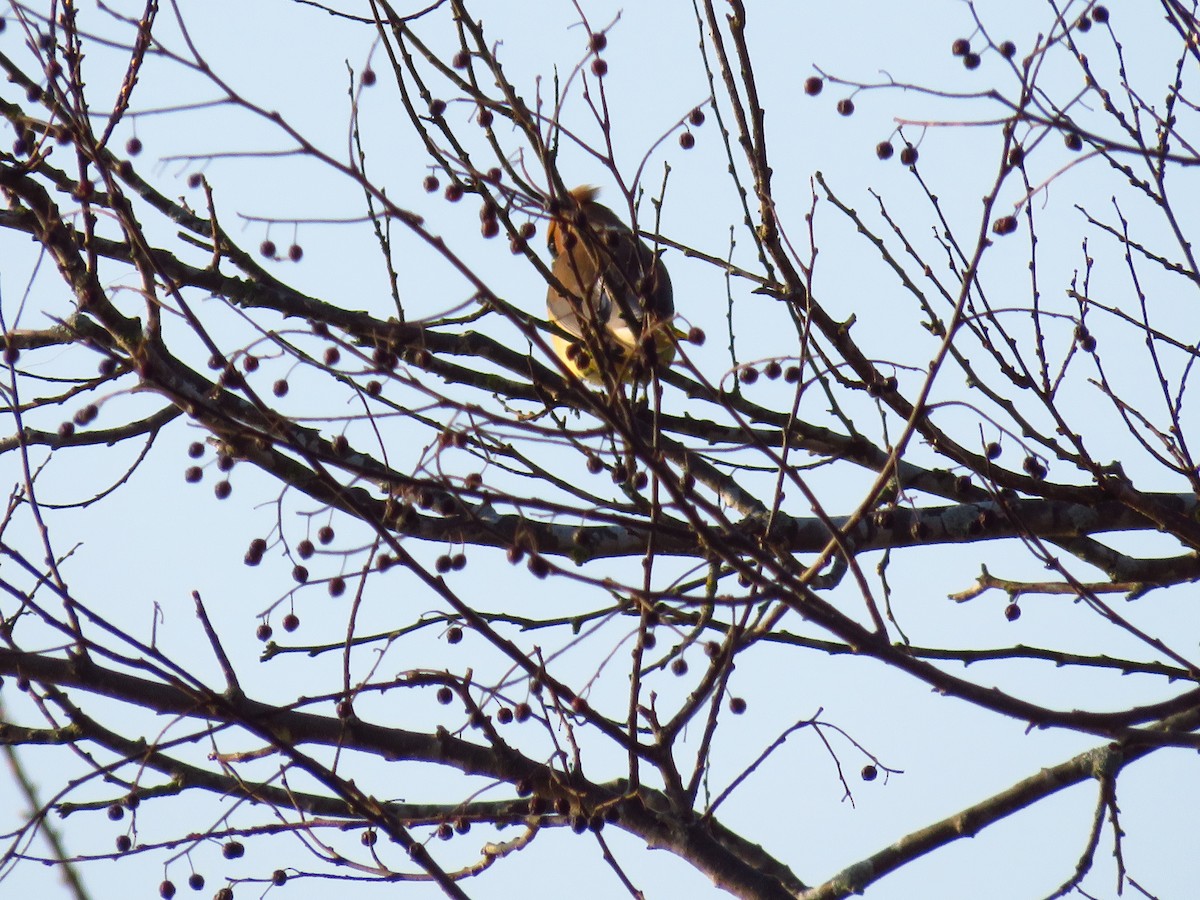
(617, 291)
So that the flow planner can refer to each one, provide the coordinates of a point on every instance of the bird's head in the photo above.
(577, 200)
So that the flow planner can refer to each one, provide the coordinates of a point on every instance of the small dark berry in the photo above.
(1008, 49)
(337, 586)
(461, 59)
(437, 108)
(845, 107)
(124, 842)
(1100, 14)
(679, 666)
(737, 705)
(116, 812)
(233, 850)
(454, 634)
(195, 180)
(813, 85)
(295, 253)
(280, 388)
(263, 632)
(133, 146)
(291, 622)
(166, 890)
(599, 67)
(1005, 225)
(687, 140)
(992, 451)
(485, 118)
(299, 574)
(869, 773)
(267, 249)
(444, 695)
(773, 370)
(278, 877)
(368, 77)
(695, 336)
(454, 192)
(1073, 141)
(696, 117)
(222, 489)
(597, 42)
(908, 156)
(884, 150)
(1012, 612)
(961, 47)
(196, 881)
(431, 183)
(748, 375)
(971, 61)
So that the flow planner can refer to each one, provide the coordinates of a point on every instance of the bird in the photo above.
(615, 295)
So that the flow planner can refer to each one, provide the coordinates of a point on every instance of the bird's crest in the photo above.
(585, 193)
